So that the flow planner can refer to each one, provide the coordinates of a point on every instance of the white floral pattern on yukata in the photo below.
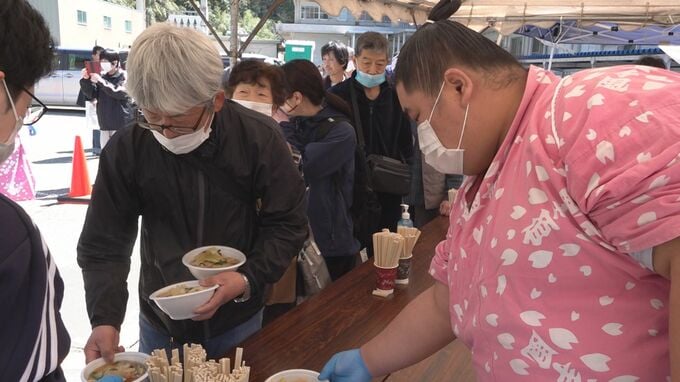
(541, 284)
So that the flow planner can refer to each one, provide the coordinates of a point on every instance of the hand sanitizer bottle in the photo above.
(405, 220)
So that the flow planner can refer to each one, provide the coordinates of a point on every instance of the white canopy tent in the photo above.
(508, 15)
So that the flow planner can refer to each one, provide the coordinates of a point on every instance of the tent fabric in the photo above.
(509, 15)
(606, 33)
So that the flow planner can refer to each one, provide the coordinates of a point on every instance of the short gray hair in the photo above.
(172, 69)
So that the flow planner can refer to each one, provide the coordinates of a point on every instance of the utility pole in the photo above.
(233, 42)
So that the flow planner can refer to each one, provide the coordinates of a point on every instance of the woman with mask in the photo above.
(562, 260)
(34, 337)
(257, 86)
(320, 131)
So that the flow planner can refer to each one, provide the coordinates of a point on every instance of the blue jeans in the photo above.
(151, 338)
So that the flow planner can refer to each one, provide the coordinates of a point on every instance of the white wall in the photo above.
(73, 34)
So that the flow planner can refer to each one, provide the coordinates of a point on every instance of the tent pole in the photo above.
(272, 8)
(233, 38)
(210, 27)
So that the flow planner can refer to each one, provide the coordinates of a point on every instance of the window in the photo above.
(386, 20)
(82, 17)
(344, 15)
(365, 16)
(107, 22)
(309, 12)
(76, 60)
(128, 26)
(312, 11)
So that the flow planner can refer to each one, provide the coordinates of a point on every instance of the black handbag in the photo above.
(386, 174)
(389, 175)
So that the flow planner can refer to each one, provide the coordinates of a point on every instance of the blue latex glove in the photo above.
(111, 378)
(346, 366)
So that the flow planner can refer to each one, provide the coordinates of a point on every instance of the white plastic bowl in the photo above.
(182, 307)
(202, 273)
(294, 375)
(127, 356)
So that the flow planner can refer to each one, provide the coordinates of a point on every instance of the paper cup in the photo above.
(385, 277)
(404, 270)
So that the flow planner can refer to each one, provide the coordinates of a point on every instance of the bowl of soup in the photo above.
(210, 260)
(295, 375)
(180, 300)
(129, 365)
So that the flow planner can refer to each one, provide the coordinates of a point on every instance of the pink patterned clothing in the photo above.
(541, 284)
(16, 177)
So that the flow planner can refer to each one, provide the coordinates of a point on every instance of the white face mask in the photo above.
(106, 66)
(260, 107)
(446, 161)
(7, 148)
(186, 143)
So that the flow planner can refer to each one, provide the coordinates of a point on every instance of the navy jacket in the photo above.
(31, 291)
(328, 168)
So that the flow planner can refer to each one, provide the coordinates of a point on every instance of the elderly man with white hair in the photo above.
(192, 167)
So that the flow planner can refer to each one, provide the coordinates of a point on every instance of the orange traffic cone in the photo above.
(80, 178)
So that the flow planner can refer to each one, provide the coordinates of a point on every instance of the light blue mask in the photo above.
(370, 80)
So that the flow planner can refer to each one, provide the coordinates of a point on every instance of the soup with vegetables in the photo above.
(213, 258)
(128, 370)
(180, 290)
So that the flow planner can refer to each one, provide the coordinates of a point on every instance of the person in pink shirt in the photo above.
(565, 237)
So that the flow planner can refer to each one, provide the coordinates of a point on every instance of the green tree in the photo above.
(268, 31)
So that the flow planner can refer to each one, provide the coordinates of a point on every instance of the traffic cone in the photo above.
(81, 188)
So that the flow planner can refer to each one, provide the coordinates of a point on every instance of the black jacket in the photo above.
(386, 132)
(328, 167)
(183, 208)
(31, 292)
(113, 103)
(380, 118)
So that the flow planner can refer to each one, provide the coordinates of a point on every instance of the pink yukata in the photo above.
(542, 286)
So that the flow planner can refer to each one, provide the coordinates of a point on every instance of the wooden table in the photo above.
(345, 315)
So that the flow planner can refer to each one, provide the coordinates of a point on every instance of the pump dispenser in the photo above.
(405, 220)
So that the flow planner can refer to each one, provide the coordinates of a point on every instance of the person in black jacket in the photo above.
(90, 106)
(327, 161)
(335, 58)
(192, 167)
(385, 126)
(34, 338)
(108, 89)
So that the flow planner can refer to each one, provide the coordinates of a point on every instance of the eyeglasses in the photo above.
(142, 122)
(34, 112)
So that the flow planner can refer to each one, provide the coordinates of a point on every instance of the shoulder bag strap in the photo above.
(357, 116)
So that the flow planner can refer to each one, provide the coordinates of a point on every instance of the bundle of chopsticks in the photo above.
(387, 248)
(196, 368)
(411, 236)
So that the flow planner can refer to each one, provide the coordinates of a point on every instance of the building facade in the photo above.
(316, 27)
(85, 23)
(191, 19)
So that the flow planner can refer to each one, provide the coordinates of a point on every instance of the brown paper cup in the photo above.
(385, 277)
(404, 270)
